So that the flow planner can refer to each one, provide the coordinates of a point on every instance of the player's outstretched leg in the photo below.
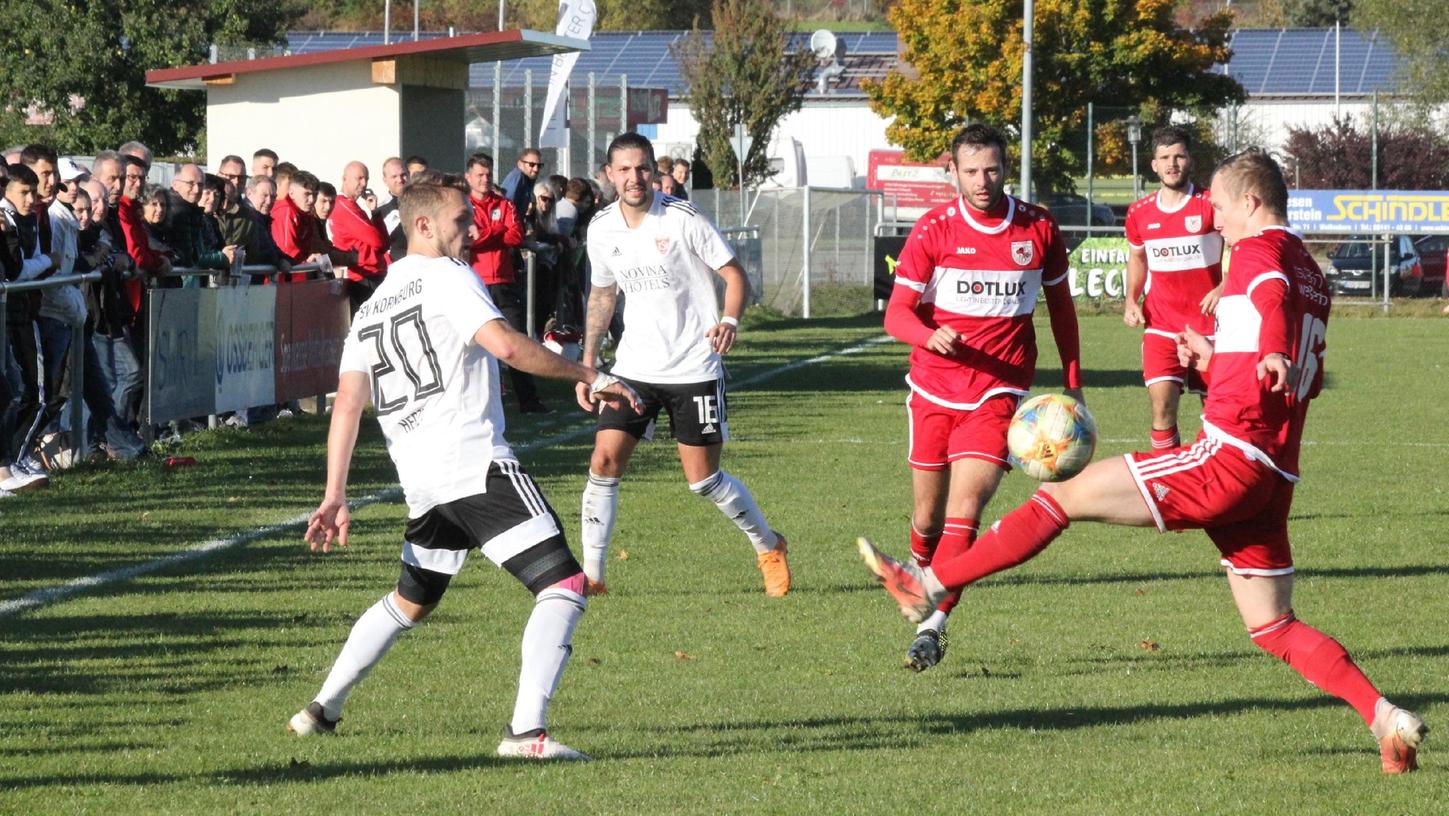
(547, 644)
(914, 588)
(600, 508)
(371, 638)
(734, 500)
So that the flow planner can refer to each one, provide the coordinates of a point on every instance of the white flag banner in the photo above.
(575, 19)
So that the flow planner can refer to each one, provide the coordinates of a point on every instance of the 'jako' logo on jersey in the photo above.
(1022, 252)
(965, 250)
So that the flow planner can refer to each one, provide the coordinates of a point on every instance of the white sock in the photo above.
(373, 634)
(937, 621)
(547, 644)
(600, 508)
(734, 500)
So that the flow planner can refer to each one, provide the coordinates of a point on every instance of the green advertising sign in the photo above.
(1097, 269)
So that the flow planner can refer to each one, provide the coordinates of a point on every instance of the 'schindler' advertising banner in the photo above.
(181, 354)
(576, 20)
(312, 323)
(245, 347)
(1366, 211)
(1097, 269)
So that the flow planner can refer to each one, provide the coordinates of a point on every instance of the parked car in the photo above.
(1433, 250)
(1070, 211)
(1356, 267)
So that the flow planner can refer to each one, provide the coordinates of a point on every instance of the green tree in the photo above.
(741, 74)
(962, 62)
(1419, 31)
(1317, 13)
(85, 64)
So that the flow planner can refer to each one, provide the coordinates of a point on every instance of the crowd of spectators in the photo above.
(59, 218)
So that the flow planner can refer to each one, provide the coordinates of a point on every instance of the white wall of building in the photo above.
(846, 128)
(296, 113)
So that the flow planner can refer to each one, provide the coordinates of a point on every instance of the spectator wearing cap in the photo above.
(354, 231)
(63, 307)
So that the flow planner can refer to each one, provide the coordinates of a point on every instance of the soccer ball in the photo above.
(1052, 437)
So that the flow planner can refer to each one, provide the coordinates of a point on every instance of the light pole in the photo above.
(1134, 135)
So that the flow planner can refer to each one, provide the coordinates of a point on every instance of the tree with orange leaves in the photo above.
(961, 62)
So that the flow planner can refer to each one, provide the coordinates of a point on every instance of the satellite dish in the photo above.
(824, 45)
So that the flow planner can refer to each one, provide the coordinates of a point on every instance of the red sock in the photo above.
(1320, 659)
(1017, 537)
(960, 534)
(1164, 439)
(923, 547)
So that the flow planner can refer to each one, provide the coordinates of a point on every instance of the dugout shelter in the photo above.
(320, 110)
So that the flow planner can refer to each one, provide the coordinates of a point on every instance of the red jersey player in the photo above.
(966, 285)
(1236, 481)
(1176, 256)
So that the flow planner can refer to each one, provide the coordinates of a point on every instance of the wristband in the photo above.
(730, 321)
(601, 382)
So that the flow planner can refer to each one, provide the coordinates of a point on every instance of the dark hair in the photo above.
(1254, 171)
(267, 152)
(427, 176)
(630, 141)
(305, 180)
(979, 135)
(530, 151)
(20, 174)
(285, 170)
(127, 160)
(326, 189)
(415, 159)
(1169, 135)
(422, 199)
(479, 159)
(457, 182)
(216, 184)
(230, 158)
(35, 152)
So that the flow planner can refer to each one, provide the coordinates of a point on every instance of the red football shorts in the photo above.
(1159, 363)
(1241, 504)
(941, 435)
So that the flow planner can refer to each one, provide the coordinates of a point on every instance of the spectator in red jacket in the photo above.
(133, 228)
(293, 224)
(499, 231)
(353, 230)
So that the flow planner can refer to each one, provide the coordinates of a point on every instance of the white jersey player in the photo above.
(425, 349)
(663, 255)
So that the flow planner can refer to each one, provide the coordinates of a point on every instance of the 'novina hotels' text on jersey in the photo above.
(1275, 299)
(981, 274)
(438, 407)
(1184, 259)
(665, 269)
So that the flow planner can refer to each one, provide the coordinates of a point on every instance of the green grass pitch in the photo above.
(1110, 675)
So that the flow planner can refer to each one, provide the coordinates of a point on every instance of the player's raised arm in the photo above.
(737, 291)
(329, 522)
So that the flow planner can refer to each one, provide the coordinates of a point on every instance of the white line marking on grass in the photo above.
(48, 595)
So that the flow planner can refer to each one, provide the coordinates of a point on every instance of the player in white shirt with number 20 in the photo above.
(663, 255)
(425, 350)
